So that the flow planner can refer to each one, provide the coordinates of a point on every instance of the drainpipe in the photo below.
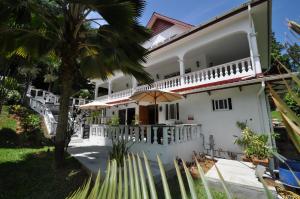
(262, 121)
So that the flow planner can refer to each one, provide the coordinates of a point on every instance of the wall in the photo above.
(222, 124)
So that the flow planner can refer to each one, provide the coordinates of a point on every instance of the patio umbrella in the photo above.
(154, 96)
(95, 105)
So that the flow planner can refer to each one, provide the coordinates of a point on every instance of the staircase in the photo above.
(47, 105)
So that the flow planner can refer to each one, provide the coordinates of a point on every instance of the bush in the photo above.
(31, 122)
(254, 145)
(13, 97)
(19, 110)
(8, 137)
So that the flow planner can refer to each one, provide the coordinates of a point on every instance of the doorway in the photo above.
(130, 115)
(147, 114)
(122, 116)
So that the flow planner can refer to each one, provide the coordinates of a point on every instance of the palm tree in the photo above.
(93, 47)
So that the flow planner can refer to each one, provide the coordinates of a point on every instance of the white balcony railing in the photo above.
(167, 141)
(228, 71)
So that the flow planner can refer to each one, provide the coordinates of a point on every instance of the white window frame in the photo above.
(224, 103)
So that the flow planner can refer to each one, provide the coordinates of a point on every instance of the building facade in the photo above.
(218, 68)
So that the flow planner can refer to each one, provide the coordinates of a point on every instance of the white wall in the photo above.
(222, 124)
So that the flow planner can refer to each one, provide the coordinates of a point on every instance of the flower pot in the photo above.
(264, 162)
(246, 159)
(286, 176)
(194, 172)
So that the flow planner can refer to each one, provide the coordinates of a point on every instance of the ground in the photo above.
(28, 172)
(276, 115)
(6, 121)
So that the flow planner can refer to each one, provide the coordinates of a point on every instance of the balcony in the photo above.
(232, 71)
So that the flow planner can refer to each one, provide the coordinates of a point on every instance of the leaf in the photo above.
(142, 178)
(153, 192)
(266, 189)
(181, 184)
(228, 194)
(164, 179)
(190, 181)
(208, 193)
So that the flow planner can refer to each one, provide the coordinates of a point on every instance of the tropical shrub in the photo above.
(31, 122)
(119, 150)
(19, 110)
(13, 97)
(253, 144)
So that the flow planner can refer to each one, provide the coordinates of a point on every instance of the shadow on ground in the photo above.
(33, 175)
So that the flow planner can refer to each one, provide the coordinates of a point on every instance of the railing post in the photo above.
(177, 131)
(126, 133)
(143, 133)
(148, 134)
(155, 135)
(137, 133)
(172, 131)
(165, 136)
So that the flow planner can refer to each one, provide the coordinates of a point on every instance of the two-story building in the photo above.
(217, 66)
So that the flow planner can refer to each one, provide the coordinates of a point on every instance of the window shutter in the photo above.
(229, 104)
(167, 111)
(213, 104)
(177, 108)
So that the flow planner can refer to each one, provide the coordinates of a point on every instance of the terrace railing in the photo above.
(152, 139)
(228, 71)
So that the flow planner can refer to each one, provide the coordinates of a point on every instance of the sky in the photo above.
(197, 12)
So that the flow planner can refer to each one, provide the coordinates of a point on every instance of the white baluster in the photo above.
(126, 133)
(172, 131)
(137, 133)
(165, 136)
(177, 131)
(155, 135)
(143, 133)
(231, 70)
(243, 67)
(148, 134)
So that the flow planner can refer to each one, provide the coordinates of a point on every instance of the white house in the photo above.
(217, 66)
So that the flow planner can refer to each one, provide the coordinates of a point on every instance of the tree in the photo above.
(61, 27)
(29, 72)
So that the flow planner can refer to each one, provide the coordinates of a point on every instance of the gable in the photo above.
(160, 25)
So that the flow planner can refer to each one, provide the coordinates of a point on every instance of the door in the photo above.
(122, 116)
(152, 114)
(143, 115)
(130, 115)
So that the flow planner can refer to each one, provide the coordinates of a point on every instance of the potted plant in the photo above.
(255, 146)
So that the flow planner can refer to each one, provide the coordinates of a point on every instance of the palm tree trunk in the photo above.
(66, 78)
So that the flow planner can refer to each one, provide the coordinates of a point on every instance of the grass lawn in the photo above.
(6, 121)
(28, 173)
(276, 115)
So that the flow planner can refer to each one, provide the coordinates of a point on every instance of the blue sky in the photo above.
(200, 11)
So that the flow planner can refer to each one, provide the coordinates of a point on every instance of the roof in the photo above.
(217, 19)
(164, 23)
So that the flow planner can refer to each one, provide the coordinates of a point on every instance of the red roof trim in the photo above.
(156, 16)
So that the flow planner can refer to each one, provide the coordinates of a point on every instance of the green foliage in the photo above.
(292, 104)
(6, 121)
(119, 150)
(114, 121)
(13, 97)
(19, 110)
(31, 122)
(254, 145)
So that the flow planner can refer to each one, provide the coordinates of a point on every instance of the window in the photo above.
(222, 104)
(172, 111)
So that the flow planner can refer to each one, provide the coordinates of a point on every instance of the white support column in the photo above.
(109, 88)
(181, 68)
(253, 45)
(96, 90)
(134, 83)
